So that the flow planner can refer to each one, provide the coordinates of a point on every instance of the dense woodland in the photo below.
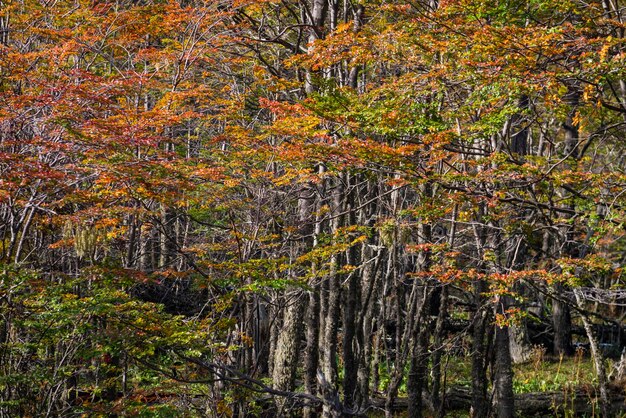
(327, 208)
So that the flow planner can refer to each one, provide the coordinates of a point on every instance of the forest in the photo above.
(312, 208)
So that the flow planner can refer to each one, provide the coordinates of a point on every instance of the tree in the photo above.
(211, 204)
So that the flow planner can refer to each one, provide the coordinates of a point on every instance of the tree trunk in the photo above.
(503, 382)
(288, 347)
(420, 334)
(365, 329)
(351, 302)
(312, 347)
(417, 378)
(562, 323)
(519, 344)
(168, 237)
(596, 355)
(317, 18)
(437, 351)
(480, 406)
(331, 323)
(561, 317)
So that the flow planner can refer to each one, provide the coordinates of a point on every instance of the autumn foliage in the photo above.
(255, 208)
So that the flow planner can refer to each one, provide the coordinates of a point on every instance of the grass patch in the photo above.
(541, 374)
(547, 374)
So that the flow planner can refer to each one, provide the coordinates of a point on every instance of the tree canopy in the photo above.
(310, 207)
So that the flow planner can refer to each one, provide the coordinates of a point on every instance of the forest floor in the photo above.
(542, 373)
(544, 386)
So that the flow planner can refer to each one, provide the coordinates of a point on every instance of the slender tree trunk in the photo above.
(416, 380)
(480, 404)
(275, 329)
(365, 329)
(317, 18)
(503, 381)
(561, 317)
(329, 350)
(397, 369)
(313, 322)
(402, 319)
(596, 355)
(312, 347)
(168, 237)
(359, 13)
(351, 302)
(436, 394)
(23, 235)
(561, 322)
(480, 323)
(131, 246)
